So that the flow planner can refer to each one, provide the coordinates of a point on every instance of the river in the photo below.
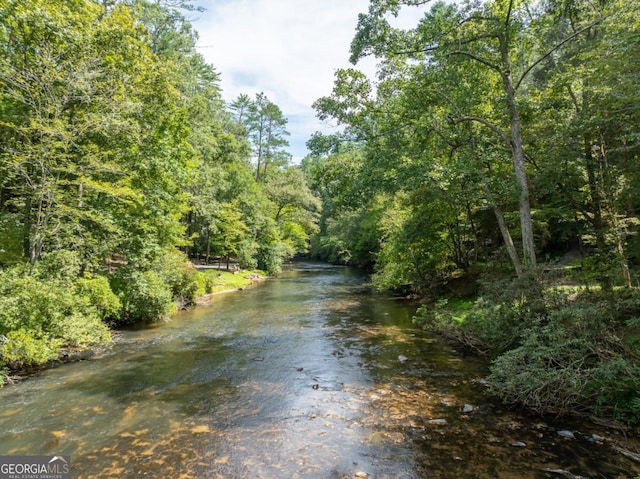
(309, 375)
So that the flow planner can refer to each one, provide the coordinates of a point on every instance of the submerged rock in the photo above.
(595, 438)
(437, 422)
(567, 434)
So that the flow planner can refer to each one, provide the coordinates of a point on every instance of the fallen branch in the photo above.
(626, 452)
(562, 472)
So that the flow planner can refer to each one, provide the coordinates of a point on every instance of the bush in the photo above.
(270, 257)
(80, 329)
(568, 365)
(38, 315)
(97, 292)
(62, 265)
(145, 297)
(247, 252)
(23, 346)
(178, 273)
(498, 319)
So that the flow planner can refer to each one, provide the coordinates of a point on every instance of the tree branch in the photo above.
(486, 123)
(508, 18)
(554, 49)
(476, 58)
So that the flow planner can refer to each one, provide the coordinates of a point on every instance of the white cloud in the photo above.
(288, 49)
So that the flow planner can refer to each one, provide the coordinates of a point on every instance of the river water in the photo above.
(309, 375)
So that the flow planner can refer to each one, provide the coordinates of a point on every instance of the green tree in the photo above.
(266, 127)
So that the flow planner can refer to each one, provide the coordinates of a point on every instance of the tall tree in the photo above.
(266, 127)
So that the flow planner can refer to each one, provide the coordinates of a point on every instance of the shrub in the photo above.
(205, 283)
(145, 297)
(566, 366)
(498, 319)
(80, 329)
(61, 265)
(97, 292)
(23, 346)
(247, 252)
(178, 273)
(38, 315)
(270, 257)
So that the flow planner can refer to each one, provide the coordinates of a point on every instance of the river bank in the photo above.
(216, 282)
(555, 349)
(222, 282)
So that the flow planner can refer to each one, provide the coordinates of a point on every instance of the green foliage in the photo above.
(330, 248)
(179, 274)
(97, 291)
(265, 125)
(23, 346)
(567, 365)
(247, 253)
(555, 350)
(270, 257)
(145, 296)
(220, 281)
(115, 149)
(41, 313)
(10, 239)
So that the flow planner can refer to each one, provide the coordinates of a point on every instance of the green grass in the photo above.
(219, 281)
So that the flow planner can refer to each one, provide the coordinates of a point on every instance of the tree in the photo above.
(231, 230)
(491, 34)
(266, 127)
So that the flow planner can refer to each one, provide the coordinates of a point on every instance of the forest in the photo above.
(489, 170)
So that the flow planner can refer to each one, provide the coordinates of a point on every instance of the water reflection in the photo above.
(309, 376)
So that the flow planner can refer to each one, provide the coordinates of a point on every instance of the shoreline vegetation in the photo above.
(556, 346)
(212, 281)
(493, 161)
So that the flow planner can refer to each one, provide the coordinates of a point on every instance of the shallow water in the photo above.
(309, 375)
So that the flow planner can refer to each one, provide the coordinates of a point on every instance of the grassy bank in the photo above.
(220, 281)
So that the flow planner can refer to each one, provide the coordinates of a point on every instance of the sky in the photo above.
(287, 49)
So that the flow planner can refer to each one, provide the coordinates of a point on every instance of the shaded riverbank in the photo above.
(309, 375)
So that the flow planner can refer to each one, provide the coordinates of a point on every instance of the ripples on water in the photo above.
(310, 375)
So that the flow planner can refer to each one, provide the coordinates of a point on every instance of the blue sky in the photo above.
(288, 49)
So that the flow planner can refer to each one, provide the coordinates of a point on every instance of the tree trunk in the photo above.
(502, 224)
(517, 149)
(208, 246)
(26, 227)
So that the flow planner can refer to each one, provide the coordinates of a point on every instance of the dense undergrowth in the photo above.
(554, 349)
(61, 307)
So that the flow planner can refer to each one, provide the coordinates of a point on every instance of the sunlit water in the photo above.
(309, 375)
